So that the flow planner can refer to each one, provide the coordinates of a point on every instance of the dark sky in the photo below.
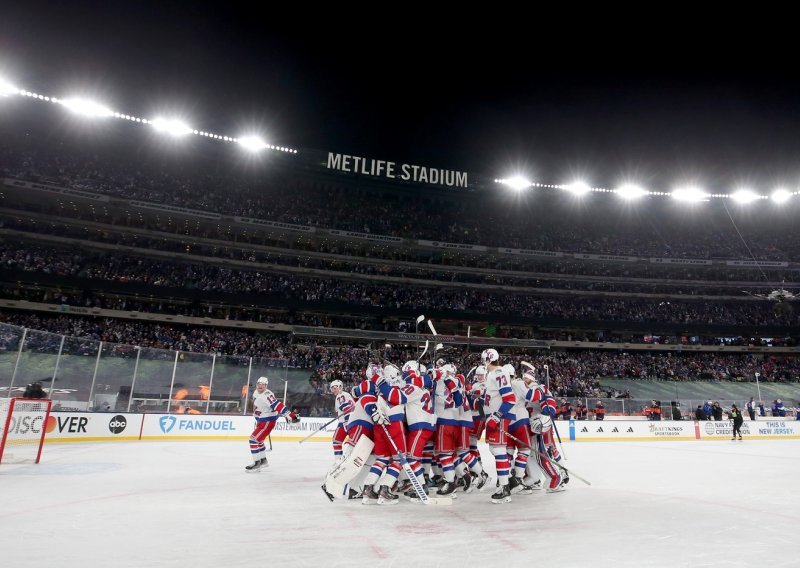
(557, 98)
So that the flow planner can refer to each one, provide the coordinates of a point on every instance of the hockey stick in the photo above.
(320, 429)
(569, 471)
(560, 444)
(421, 355)
(412, 477)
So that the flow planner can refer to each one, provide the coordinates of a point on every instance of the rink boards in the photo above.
(88, 427)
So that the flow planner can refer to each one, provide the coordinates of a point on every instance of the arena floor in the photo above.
(190, 504)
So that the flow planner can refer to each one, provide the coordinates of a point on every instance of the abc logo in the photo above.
(117, 424)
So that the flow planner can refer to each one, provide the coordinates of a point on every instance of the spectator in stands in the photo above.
(751, 408)
(599, 411)
(699, 413)
(736, 417)
(34, 390)
(716, 410)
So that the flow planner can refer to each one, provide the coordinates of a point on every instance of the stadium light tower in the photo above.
(7, 88)
(174, 127)
(86, 107)
(630, 191)
(690, 194)
(252, 143)
(780, 195)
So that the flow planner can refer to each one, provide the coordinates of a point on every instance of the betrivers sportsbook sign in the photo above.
(393, 170)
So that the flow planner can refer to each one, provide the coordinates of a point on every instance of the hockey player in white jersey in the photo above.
(448, 402)
(421, 421)
(498, 401)
(520, 430)
(266, 409)
(344, 406)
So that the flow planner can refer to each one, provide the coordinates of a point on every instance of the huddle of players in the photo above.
(435, 418)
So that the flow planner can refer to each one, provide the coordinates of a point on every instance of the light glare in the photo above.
(578, 188)
(744, 196)
(7, 88)
(86, 107)
(517, 182)
(630, 191)
(252, 143)
(691, 194)
(780, 195)
(173, 127)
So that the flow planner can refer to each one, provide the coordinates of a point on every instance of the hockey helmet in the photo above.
(509, 370)
(336, 384)
(489, 356)
(262, 381)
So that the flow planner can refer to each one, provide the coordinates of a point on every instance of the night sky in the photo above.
(557, 99)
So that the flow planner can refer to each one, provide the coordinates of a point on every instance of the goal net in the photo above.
(22, 426)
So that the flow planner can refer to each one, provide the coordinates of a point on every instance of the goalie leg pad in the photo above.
(350, 467)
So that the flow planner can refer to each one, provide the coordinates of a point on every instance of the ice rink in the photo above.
(190, 504)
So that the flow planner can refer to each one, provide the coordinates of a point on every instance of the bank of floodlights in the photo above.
(173, 127)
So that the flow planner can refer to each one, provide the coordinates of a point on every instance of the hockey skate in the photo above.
(514, 484)
(256, 465)
(481, 482)
(529, 488)
(353, 494)
(558, 488)
(386, 497)
(369, 497)
(328, 495)
(448, 488)
(503, 495)
(467, 482)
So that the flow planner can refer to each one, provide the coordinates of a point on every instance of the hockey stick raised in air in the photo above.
(421, 355)
(418, 489)
(320, 429)
(569, 471)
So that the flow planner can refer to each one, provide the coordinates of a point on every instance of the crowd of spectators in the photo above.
(572, 373)
(481, 218)
(120, 268)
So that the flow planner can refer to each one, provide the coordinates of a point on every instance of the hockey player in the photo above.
(421, 421)
(344, 406)
(389, 418)
(498, 401)
(520, 430)
(448, 403)
(469, 470)
(266, 409)
(543, 408)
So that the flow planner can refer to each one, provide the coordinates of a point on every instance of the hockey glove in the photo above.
(292, 417)
(379, 417)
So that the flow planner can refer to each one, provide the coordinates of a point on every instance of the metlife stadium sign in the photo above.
(392, 170)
